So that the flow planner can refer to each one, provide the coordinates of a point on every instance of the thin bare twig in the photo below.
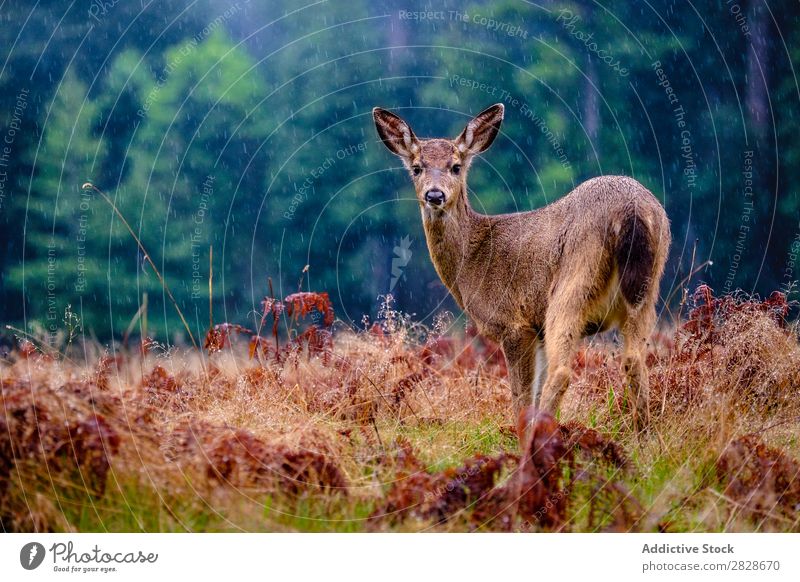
(90, 186)
(211, 287)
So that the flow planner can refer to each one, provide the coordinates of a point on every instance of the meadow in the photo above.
(305, 424)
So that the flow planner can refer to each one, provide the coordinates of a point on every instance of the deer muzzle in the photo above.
(434, 197)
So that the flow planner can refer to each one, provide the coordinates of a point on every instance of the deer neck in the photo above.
(450, 237)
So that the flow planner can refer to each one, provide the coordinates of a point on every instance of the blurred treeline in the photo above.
(247, 126)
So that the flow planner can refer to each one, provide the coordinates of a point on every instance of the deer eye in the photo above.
(417, 170)
(456, 169)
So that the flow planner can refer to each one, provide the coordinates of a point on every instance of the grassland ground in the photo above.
(393, 429)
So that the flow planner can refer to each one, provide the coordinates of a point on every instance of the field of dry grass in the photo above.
(400, 428)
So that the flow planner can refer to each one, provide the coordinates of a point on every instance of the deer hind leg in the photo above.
(563, 329)
(519, 351)
(635, 331)
(540, 374)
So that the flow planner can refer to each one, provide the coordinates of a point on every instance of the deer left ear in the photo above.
(395, 133)
(481, 131)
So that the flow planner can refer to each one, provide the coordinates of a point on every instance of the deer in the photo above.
(538, 282)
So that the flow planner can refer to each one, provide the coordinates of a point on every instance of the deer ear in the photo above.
(395, 133)
(481, 131)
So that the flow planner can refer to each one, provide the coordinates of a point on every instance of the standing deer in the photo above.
(591, 260)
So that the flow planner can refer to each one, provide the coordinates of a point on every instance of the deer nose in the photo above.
(435, 197)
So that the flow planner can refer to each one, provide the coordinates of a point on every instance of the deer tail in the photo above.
(635, 258)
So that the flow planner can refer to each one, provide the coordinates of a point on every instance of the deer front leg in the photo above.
(519, 350)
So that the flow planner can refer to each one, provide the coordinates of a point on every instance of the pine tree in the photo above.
(57, 266)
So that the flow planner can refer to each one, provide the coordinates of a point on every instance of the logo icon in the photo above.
(31, 555)
(402, 255)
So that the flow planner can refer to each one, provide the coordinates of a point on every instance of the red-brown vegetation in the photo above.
(380, 431)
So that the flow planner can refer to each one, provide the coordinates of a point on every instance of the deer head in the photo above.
(438, 167)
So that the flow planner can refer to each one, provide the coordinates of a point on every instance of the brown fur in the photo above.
(591, 260)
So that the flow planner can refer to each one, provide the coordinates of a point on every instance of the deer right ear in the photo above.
(481, 131)
(395, 133)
